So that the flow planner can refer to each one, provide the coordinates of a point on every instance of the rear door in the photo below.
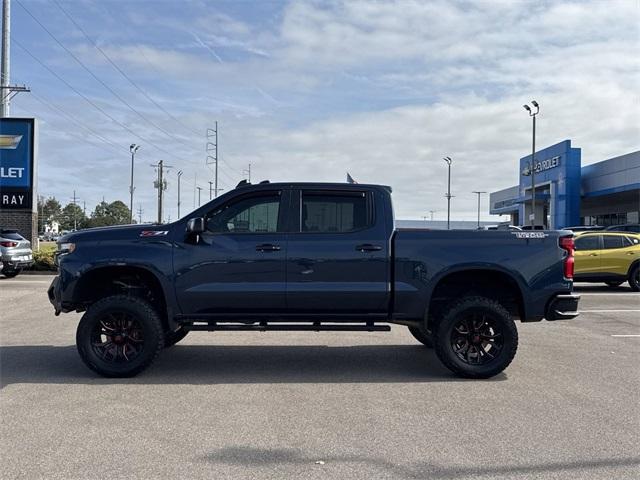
(587, 254)
(618, 253)
(338, 253)
(238, 264)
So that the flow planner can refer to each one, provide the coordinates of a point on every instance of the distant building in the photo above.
(442, 224)
(52, 227)
(567, 194)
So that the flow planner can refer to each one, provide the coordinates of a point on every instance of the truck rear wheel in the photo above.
(422, 335)
(476, 338)
(119, 336)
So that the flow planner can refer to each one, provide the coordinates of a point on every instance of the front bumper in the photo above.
(55, 295)
(563, 307)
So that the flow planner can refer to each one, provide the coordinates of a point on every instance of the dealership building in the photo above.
(568, 194)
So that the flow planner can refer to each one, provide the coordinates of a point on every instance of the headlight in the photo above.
(66, 247)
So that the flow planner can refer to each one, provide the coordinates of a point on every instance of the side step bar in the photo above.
(265, 327)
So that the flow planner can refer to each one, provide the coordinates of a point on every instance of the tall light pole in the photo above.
(532, 113)
(479, 193)
(133, 148)
(179, 175)
(448, 195)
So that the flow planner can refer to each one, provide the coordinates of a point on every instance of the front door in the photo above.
(618, 252)
(338, 255)
(587, 254)
(238, 264)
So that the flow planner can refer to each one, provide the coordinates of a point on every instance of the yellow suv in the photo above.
(612, 258)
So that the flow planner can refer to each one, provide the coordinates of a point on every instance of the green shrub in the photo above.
(43, 258)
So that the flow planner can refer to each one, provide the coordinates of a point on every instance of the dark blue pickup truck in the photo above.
(309, 256)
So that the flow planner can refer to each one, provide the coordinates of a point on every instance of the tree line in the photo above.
(72, 216)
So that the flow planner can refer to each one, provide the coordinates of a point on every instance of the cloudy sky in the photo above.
(306, 91)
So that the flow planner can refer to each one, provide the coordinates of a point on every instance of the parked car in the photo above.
(308, 257)
(628, 227)
(15, 252)
(585, 228)
(608, 257)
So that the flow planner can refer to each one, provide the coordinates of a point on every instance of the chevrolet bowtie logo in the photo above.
(9, 142)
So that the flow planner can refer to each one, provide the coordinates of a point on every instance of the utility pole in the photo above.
(161, 185)
(533, 112)
(179, 175)
(479, 193)
(210, 188)
(133, 148)
(7, 91)
(212, 155)
(199, 190)
(140, 212)
(75, 219)
(432, 212)
(84, 208)
(247, 172)
(448, 195)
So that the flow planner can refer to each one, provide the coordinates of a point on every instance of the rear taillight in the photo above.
(567, 243)
(9, 244)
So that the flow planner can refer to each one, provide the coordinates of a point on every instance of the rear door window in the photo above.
(613, 241)
(335, 212)
(588, 243)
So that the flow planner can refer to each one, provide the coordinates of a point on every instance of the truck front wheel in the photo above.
(119, 336)
(476, 338)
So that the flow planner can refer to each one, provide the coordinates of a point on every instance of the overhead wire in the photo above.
(93, 75)
(122, 72)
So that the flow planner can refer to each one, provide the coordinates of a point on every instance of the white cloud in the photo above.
(380, 89)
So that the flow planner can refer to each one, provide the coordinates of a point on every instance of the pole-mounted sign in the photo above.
(17, 163)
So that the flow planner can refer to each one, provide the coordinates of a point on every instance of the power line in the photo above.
(92, 103)
(88, 70)
(124, 74)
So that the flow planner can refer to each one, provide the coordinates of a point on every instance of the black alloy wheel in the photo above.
(119, 336)
(476, 337)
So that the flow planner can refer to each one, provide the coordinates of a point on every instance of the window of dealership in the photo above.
(567, 194)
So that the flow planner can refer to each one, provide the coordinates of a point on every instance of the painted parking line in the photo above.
(608, 311)
(621, 294)
(625, 336)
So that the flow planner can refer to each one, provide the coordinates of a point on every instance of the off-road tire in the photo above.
(145, 316)
(634, 278)
(171, 338)
(614, 284)
(422, 335)
(466, 308)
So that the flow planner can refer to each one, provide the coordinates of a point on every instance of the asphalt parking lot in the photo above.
(322, 405)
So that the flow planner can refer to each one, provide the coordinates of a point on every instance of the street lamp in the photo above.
(133, 148)
(533, 111)
(479, 193)
(448, 195)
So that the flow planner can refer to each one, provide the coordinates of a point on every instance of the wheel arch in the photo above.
(487, 280)
(136, 280)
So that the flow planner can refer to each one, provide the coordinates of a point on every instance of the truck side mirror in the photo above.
(195, 225)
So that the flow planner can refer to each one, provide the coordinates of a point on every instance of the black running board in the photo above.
(280, 327)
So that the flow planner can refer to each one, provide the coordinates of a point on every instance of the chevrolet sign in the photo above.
(10, 142)
(542, 166)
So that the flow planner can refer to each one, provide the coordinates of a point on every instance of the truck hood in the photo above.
(117, 232)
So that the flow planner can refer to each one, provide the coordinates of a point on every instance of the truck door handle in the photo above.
(367, 247)
(267, 247)
(631, 253)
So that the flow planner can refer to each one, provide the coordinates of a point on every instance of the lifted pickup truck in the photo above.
(308, 256)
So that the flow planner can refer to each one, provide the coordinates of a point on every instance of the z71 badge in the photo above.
(530, 234)
(154, 233)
